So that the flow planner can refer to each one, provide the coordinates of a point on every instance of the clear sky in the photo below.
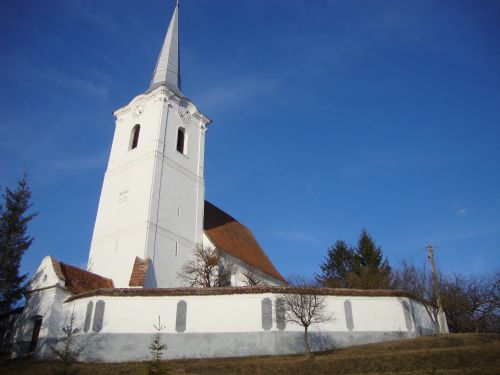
(329, 116)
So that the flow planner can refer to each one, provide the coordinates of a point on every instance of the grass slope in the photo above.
(446, 355)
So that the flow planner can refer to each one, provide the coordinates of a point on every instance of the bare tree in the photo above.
(252, 279)
(471, 303)
(418, 282)
(208, 269)
(304, 306)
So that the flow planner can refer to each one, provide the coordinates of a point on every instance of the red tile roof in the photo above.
(78, 280)
(139, 272)
(178, 292)
(237, 240)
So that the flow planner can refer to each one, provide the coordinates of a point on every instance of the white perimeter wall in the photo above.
(223, 318)
(243, 313)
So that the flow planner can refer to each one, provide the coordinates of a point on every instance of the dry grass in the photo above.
(459, 354)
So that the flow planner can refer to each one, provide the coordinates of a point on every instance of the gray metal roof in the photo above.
(167, 70)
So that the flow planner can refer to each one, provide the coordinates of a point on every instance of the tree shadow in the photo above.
(320, 342)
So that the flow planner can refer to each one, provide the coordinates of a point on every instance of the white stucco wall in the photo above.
(44, 297)
(152, 199)
(48, 304)
(239, 313)
(240, 268)
(423, 320)
(216, 325)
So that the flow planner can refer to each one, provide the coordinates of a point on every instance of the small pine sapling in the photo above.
(68, 354)
(156, 348)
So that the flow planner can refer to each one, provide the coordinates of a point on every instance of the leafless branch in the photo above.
(251, 279)
(305, 309)
(208, 269)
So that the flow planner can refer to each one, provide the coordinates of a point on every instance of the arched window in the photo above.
(134, 137)
(181, 138)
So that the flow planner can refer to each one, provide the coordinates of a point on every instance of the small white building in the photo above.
(152, 216)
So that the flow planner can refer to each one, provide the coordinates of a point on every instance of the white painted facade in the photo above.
(237, 320)
(152, 198)
(44, 299)
(242, 313)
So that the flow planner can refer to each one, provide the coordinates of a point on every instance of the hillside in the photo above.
(447, 355)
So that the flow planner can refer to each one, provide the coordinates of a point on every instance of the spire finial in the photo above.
(167, 70)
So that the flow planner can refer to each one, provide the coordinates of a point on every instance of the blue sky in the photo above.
(329, 116)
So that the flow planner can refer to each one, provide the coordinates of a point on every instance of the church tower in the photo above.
(152, 198)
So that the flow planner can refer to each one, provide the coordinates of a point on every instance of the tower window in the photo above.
(134, 137)
(181, 141)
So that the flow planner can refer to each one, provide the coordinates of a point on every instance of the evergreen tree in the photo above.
(156, 348)
(68, 353)
(14, 241)
(370, 269)
(336, 266)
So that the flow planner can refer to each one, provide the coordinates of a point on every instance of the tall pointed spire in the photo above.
(167, 70)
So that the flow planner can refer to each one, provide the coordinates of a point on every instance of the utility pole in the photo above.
(442, 325)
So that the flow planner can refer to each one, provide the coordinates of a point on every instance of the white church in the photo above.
(152, 216)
